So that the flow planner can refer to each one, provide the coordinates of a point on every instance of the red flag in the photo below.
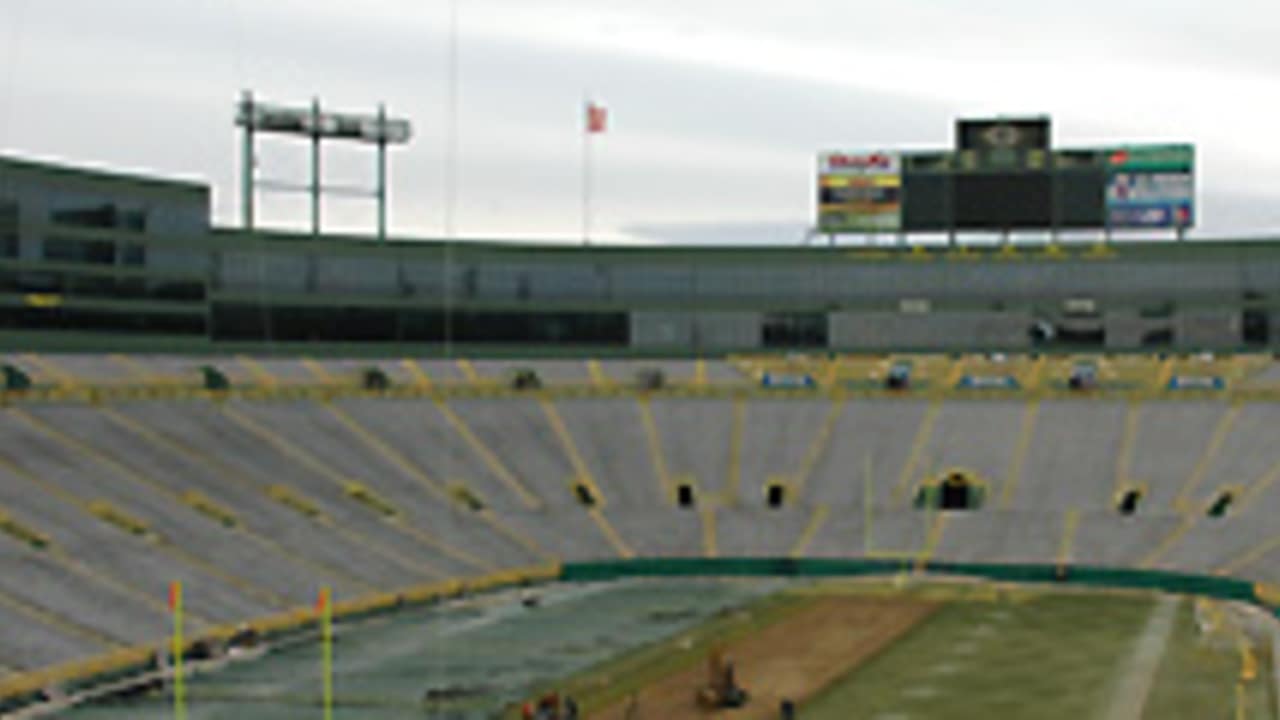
(597, 118)
(175, 589)
(322, 601)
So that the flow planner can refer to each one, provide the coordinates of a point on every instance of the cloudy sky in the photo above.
(717, 106)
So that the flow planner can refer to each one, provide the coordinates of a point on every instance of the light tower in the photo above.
(315, 124)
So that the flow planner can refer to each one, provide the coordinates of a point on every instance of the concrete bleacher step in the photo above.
(138, 504)
(26, 642)
(759, 532)
(253, 504)
(613, 442)
(317, 439)
(40, 581)
(173, 444)
(145, 566)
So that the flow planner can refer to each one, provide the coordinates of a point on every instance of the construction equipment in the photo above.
(551, 706)
(722, 689)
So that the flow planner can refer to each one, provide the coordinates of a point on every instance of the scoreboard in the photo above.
(1003, 175)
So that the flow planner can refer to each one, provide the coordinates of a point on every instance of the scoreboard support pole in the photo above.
(382, 173)
(247, 162)
(315, 168)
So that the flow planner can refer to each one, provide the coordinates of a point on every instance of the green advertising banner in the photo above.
(1153, 158)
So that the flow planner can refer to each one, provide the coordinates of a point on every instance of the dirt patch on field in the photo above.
(793, 658)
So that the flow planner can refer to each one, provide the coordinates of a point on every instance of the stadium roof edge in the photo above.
(303, 238)
(53, 169)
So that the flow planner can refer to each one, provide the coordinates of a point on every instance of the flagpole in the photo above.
(451, 174)
(586, 169)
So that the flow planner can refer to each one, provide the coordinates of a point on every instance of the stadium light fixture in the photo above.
(317, 125)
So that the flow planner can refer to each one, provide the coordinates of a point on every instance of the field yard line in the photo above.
(1129, 695)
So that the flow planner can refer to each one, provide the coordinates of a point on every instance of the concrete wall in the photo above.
(1126, 328)
(876, 330)
(704, 331)
(1209, 329)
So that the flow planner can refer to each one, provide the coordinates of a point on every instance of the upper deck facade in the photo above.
(87, 255)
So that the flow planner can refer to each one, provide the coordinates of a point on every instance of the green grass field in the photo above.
(1010, 653)
(1195, 671)
(1049, 657)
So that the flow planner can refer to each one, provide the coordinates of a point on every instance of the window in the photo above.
(794, 330)
(107, 217)
(134, 255)
(28, 318)
(1256, 327)
(571, 328)
(71, 250)
(8, 229)
(1048, 333)
(1158, 310)
(247, 322)
(1158, 337)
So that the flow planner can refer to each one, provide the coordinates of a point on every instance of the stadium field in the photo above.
(467, 659)
(1064, 656)
(885, 649)
(967, 651)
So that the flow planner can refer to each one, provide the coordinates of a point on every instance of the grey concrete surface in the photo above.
(695, 437)
(277, 557)
(612, 440)
(874, 435)
(1171, 438)
(1071, 462)
(776, 437)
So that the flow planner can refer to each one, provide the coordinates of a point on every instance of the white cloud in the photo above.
(718, 106)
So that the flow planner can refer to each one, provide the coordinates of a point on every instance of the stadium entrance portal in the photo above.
(953, 490)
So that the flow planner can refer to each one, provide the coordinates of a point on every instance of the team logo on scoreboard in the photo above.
(1002, 136)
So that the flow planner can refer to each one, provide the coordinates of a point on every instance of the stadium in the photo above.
(253, 473)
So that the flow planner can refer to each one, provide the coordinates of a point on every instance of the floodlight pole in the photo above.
(314, 124)
(246, 163)
(315, 167)
(382, 173)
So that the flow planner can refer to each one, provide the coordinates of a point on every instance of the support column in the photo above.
(315, 168)
(382, 173)
(247, 162)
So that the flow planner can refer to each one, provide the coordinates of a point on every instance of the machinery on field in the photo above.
(722, 689)
(551, 706)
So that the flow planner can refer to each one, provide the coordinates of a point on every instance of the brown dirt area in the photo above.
(794, 658)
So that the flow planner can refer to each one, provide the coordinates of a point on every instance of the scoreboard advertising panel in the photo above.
(1151, 186)
(860, 192)
(1003, 176)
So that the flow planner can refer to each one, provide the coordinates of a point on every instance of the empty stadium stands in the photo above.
(295, 479)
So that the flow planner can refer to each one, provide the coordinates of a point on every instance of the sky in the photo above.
(718, 108)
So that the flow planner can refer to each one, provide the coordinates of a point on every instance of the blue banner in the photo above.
(1150, 200)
